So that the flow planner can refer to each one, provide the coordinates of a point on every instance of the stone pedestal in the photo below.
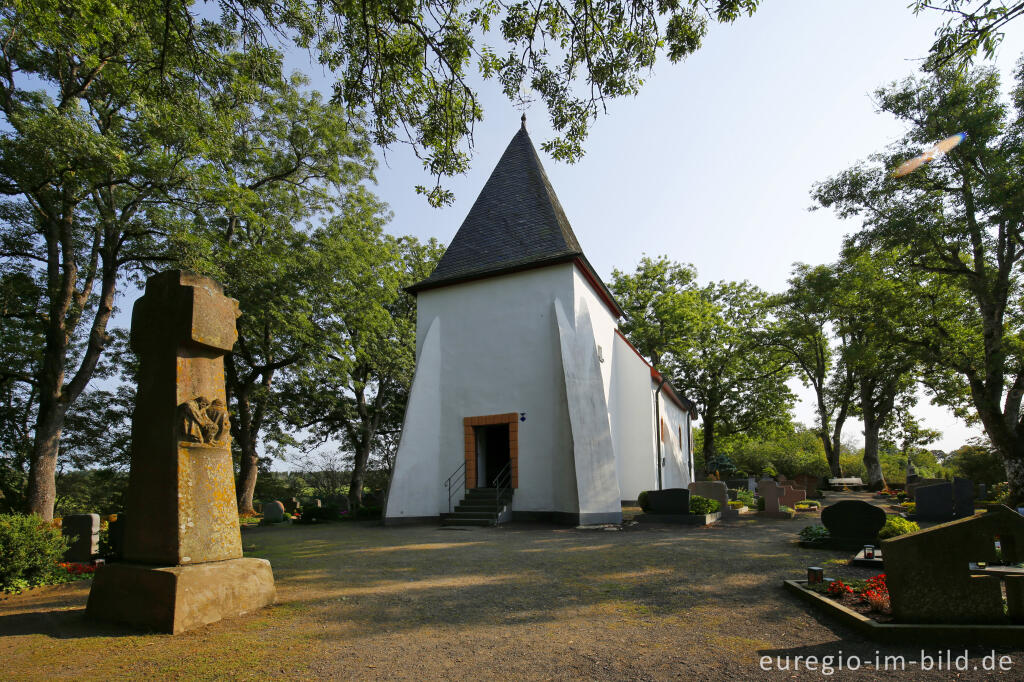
(181, 533)
(178, 598)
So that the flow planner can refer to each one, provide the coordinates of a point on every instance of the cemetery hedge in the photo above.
(702, 505)
(896, 526)
(30, 550)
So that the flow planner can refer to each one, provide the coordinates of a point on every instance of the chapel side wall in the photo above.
(676, 450)
(632, 417)
(501, 354)
(603, 321)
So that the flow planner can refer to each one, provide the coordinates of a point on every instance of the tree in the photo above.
(660, 303)
(358, 390)
(292, 158)
(712, 342)
(104, 106)
(977, 461)
(884, 371)
(408, 65)
(953, 232)
(968, 30)
(806, 318)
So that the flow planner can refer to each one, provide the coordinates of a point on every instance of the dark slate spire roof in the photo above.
(515, 224)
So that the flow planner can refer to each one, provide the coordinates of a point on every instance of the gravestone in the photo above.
(182, 546)
(668, 501)
(920, 483)
(809, 483)
(934, 502)
(83, 532)
(963, 497)
(930, 578)
(982, 491)
(792, 494)
(273, 512)
(737, 483)
(290, 505)
(715, 490)
(339, 501)
(315, 503)
(771, 492)
(853, 523)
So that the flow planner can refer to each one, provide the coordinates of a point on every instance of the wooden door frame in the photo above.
(510, 418)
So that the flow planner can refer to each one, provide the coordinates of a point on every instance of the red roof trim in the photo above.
(682, 403)
(598, 286)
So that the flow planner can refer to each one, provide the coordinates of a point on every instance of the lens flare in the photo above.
(936, 152)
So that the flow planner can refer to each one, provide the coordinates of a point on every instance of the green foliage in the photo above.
(810, 504)
(1000, 493)
(896, 526)
(411, 65)
(760, 504)
(978, 462)
(816, 534)
(94, 491)
(969, 30)
(909, 507)
(745, 496)
(945, 243)
(642, 500)
(30, 549)
(737, 504)
(711, 341)
(789, 450)
(702, 505)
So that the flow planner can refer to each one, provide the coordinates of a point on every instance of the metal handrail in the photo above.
(502, 482)
(460, 471)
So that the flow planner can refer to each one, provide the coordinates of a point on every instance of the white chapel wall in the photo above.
(501, 354)
(632, 420)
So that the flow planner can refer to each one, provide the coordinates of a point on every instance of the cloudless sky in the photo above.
(712, 163)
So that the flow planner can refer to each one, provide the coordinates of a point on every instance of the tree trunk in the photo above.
(244, 431)
(355, 485)
(42, 485)
(248, 470)
(876, 481)
(708, 424)
(831, 453)
(1015, 477)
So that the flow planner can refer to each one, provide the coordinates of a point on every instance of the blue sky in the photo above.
(713, 162)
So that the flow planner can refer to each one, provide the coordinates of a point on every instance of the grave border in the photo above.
(909, 633)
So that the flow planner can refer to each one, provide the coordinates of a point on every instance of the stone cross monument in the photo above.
(182, 545)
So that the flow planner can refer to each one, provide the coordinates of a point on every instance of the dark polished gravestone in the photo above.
(934, 502)
(83, 533)
(852, 523)
(182, 548)
(668, 501)
(932, 576)
(963, 497)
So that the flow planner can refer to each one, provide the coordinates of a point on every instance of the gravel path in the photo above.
(514, 602)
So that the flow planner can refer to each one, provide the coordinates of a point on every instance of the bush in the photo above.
(702, 505)
(896, 526)
(29, 551)
(817, 534)
(760, 504)
(909, 507)
(330, 512)
(642, 500)
(745, 496)
(813, 504)
(1000, 492)
(736, 504)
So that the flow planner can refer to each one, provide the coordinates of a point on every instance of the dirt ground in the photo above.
(360, 601)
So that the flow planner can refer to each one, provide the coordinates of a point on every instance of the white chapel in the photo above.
(527, 402)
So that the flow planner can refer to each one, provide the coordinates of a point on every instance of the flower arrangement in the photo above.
(77, 569)
(838, 588)
(876, 593)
